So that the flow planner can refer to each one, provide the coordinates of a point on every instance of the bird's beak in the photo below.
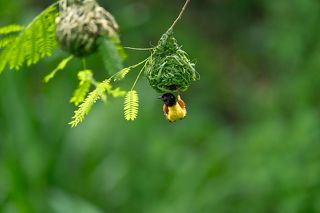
(160, 97)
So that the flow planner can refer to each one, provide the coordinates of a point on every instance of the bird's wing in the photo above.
(165, 109)
(181, 103)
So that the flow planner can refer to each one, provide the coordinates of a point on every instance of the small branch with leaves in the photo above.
(83, 28)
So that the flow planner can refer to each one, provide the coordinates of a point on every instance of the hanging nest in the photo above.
(169, 68)
(80, 23)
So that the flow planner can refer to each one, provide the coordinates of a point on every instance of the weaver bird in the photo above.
(174, 107)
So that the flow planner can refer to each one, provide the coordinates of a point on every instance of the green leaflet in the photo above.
(61, 66)
(131, 104)
(80, 93)
(13, 28)
(117, 92)
(5, 41)
(100, 92)
(122, 74)
(86, 105)
(34, 42)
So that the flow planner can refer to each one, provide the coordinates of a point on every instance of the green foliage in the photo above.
(85, 78)
(169, 68)
(86, 105)
(83, 27)
(116, 93)
(60, 66)
(122, 74)
(14, 28)
(111, 57)
(131, 100)
(34, 42)
(131, 104)
(8, 34)
(100, 92)
(6, 40)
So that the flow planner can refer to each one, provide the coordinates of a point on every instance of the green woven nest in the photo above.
(81, 23)
(169, 68)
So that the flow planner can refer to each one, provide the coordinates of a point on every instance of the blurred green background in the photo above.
(250, 143)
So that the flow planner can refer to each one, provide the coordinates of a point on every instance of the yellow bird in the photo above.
(174, 107)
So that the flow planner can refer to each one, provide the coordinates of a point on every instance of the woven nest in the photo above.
(169, 68)
(80, 23)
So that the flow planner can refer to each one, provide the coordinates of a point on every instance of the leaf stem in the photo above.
(135, 82)
(138, 64)
(179, 16)
(142, 49)
(93, 81)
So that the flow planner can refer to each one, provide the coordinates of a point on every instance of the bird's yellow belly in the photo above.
(176, 113)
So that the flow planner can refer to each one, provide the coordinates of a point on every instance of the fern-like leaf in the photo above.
(85, 78)
(86, 105)
(60, 66)
(13, 28)
(6, 40)
(131, 104)
(34, 42)
(122, 74)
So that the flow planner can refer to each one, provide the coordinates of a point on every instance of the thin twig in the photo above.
(142, 49)
(138, 64)
(179, 17)
(135, 82)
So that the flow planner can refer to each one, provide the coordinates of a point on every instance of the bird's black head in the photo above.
(169, 99)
